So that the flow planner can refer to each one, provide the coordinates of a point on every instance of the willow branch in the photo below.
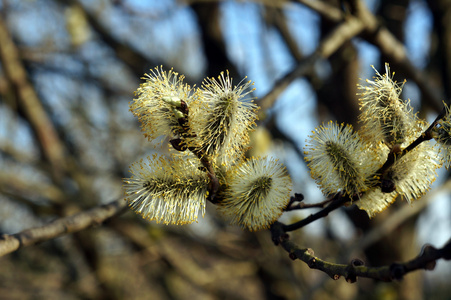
(425, 260)
(294, 205)
(338, 201)
(95, 216)
(180, 145)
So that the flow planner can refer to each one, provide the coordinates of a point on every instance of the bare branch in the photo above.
(59, 227)
(425, 260)
(326, 10)
(343, 33)
(336, 202)
(386, 42)
(30, 103)
(294, 204)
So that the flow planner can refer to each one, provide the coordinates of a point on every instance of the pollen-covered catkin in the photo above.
(229, 114)
(258, 190)
(386, 118)
(339, 160)
(411, 177)
(168, 190)
(158, 103)
(442, 134)
(390, 125)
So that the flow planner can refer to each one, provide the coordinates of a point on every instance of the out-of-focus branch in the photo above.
(16, 184)
(326, 10)
(394, 49)
(29, 102)
(425, 260)
(132, 58)
(386, 42)
(212, 36)
(351, 26)
(59, 227)
(275, 17)
(343, 33)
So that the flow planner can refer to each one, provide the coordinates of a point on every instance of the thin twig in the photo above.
(95, 216)
(336, 202)
(179, 145)
(302, 205)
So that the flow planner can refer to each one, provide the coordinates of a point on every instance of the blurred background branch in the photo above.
(61, 226)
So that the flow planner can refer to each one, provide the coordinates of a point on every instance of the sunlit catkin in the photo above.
(167, 190)
(258, 190)
(386, 118)
(339, 160)
(409, 177)
(442, 134)
(223, 127)
(159, 103)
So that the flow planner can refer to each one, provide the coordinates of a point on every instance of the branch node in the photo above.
(312, 263)
(397, 271)
(298, 197)
(277, 240)
(310, 251)
(336, 277)
(357, 262)
(351, 277)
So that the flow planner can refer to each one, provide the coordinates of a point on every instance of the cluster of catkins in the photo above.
(349, 162)
(208, 127)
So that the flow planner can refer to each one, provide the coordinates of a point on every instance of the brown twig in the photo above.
(95, 216)
(302, 205)
(425, 260)
(336, 202)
